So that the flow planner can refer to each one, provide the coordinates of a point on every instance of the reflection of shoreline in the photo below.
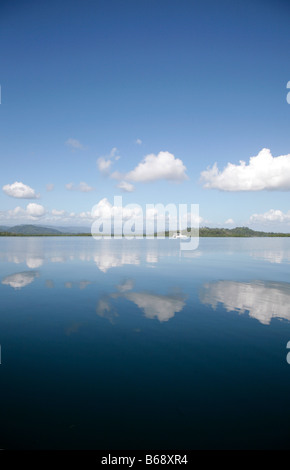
(264, 300)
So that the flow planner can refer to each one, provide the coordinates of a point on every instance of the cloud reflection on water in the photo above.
(162, 307)
(20, 280)
(106, 254)
(264, 300)
(155, 306)
(272, 256)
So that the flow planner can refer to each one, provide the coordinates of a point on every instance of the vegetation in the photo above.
(34, 230)
(226, 232)
(237, 232)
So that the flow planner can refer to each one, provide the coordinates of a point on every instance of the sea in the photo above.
(142, 344)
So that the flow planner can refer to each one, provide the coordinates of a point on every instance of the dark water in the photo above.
(134, 344)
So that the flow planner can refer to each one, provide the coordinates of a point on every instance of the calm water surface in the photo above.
(134, 344)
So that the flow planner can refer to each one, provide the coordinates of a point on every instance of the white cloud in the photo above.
(263, 172)
(229, 222)
(31, 212)
(163, 166)
(35, 210)
(19, 190)
(57, 213)
(126, 187)
(85, 215)
(114, 153)
(138, 141)
(273, 215)
(17, 211)
(191, 219)
(104, 163)
(106, 210)
(50, 187)
(102, 209)
(74, 144)
(83, 187)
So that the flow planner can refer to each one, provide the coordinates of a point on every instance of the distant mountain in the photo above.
(30, 230)
(4, 228)
(71, 230)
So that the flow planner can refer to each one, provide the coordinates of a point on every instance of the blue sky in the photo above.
(140, 99)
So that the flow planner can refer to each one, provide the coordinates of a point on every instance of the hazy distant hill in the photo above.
(4, 228)
(30, 230)
(71, 229)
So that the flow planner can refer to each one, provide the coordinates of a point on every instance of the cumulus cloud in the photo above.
(35, 210)
(74, 144)
(83, 187)
(31, 212)
(229, 222)
(163, 166)
(57, 213)
(191, 219)
(106, 210)
(263, 172)
(126, 187)
(104, 163)
(19, 190)
(273, 215)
